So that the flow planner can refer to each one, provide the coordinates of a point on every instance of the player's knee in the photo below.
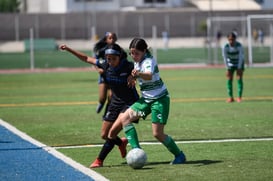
(159, 137)
(112, 134)
(104, 136)
(134, 115)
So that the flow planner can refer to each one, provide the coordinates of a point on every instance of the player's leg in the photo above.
(109, 94)
(240, 84)
(140, 109)
(113, 112)
(229, 75)
(102, 94)
(160, 113)
(129, 129)
(107, 146)
(127, 118)
(120, 142)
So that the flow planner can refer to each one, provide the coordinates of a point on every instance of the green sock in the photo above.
(240, 87)
(131, 135)
(229, 88)
(171, 146)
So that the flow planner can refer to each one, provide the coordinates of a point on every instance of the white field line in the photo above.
(178, 142)
(92, 174)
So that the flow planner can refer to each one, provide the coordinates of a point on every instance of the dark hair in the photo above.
(102, 42)
(138, 44)
(109, 33)
(232, 34)
(117, 48)
(141, 45)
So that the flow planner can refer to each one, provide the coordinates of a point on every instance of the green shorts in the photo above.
(158, 108)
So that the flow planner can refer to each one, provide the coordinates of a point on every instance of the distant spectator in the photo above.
(218, 36)
(255, 35)
(165, 37)
(261, 37)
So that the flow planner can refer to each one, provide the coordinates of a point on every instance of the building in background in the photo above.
(68, 6)
(71, 6)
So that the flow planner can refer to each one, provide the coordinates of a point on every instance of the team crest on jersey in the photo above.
(101, 61)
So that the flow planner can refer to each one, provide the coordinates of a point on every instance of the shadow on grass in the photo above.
(194, 162)
(203, 162)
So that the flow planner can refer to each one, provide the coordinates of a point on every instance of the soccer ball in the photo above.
(136, 158)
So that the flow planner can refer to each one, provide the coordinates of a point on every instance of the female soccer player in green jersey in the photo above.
(233, 55)
(154, 100)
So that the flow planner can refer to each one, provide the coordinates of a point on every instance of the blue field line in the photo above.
(24, 159)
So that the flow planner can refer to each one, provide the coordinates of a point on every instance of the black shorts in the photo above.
(113, 112)
(101, 79)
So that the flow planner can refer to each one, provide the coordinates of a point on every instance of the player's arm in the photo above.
(241, 57)
(224, 54)
(147, 73)
(79, 55)
(99, 70)
(143, 75)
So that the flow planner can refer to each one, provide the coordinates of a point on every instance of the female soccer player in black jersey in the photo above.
(118, 77)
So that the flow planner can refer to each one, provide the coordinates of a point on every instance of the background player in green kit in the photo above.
(155, 100)
(233, 54)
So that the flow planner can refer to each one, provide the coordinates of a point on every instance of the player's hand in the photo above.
(63, 47)
(100, 71)
(135, 73)
(131, 81)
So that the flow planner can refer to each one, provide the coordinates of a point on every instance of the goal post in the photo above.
(264, 17)
(215, 24)
(31, 49)
(255, 53)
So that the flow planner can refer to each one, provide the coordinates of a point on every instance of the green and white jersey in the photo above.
(154, 88)
(233, 55)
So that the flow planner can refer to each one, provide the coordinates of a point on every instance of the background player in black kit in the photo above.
(117, 76)
(99, 53)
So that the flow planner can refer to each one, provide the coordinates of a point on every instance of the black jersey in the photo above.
(122, 95)
(99, 50)
(102, 63)
(116, 78)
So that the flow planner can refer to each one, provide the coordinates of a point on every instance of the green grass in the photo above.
(211, 161)
(52, 59)
(59, 109)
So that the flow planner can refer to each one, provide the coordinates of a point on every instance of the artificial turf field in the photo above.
(53, 59)
(58, 109)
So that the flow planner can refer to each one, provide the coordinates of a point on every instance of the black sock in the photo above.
(106, 149)
(117, 141)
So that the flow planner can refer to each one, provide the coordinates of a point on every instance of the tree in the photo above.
(9, 6)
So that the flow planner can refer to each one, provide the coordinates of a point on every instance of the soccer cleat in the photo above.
(96, 163)
(122, 147)
(179, 159)
(229, 100)
(99, 107)
(239, 99)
